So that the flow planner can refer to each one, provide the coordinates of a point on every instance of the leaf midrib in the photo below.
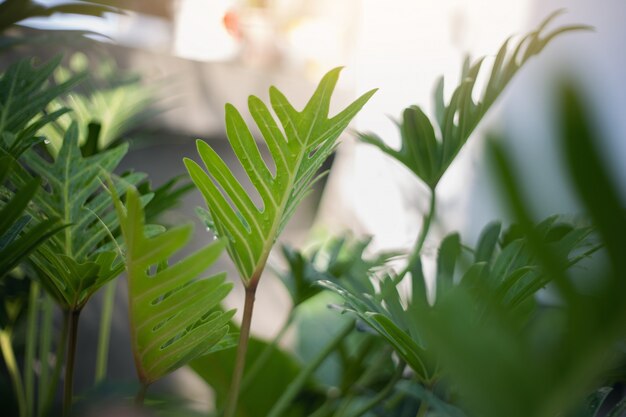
(280, 212)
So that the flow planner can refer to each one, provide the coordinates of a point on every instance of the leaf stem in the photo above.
(31, 347)
(421, 412)
(141, 394)
(377, 365)
(419, 244)
(266, 354)
(73, 317)
(58, 364)
(382, 394)
(45, 345)
(242, 348)
(108, 301)
(296, 385)
(11, 363)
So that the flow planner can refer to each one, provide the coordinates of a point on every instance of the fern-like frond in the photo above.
(298, 146)
(174, 316)
(73, 264)
(430, 145)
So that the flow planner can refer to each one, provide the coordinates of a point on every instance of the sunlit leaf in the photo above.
(298, 147)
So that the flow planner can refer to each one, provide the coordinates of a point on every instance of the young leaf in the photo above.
(429, 155)
(298, 147)
(175, 317)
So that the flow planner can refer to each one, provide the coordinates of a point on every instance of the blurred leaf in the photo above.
(14, 11)
(24, 93)
(109, 106)
(164, 197)
(429, 151)
(258, 398)
(594, 185)
(504, 284)
(540, 364)
(334, 260)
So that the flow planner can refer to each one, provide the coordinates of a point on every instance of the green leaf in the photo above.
(449, 252)
(103, 115)
(16, 240)
(487, 242)
(298, 148)
(595, 187)
(76, 263)
(278, 372)
(174, 315)
(165, 197)
(429, 155)
(24, 93)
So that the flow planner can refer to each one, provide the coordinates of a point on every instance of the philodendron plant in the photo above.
(481, 342)
(298, 147)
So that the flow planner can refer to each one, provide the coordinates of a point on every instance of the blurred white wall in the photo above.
(402, 47)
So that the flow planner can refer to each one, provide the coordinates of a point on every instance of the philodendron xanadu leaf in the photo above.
(73, 264)
(427, 150)
(174, 316)
(299, 146)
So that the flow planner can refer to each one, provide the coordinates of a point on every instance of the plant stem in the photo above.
(102, 355)
(9, 359)
(262, 359)
(242, 348)
(141, 395)
(382, 394)
(69, 363)
(58, 363)
(421, 412)
(45, 345)
(296, 385)
(419, 244)
(31, 347)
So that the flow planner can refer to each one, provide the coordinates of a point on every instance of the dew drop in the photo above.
(46, 141)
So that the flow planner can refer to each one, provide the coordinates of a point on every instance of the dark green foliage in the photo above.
(165, 197)
(24, 93)
(256, 398)
(544, 365)
(74, 264)
(506, 283)
(343, 259)
(14, 11)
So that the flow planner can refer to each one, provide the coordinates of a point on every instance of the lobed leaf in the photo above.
(298, 146)
(174, 316)
(74, 264)
(429, 154)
